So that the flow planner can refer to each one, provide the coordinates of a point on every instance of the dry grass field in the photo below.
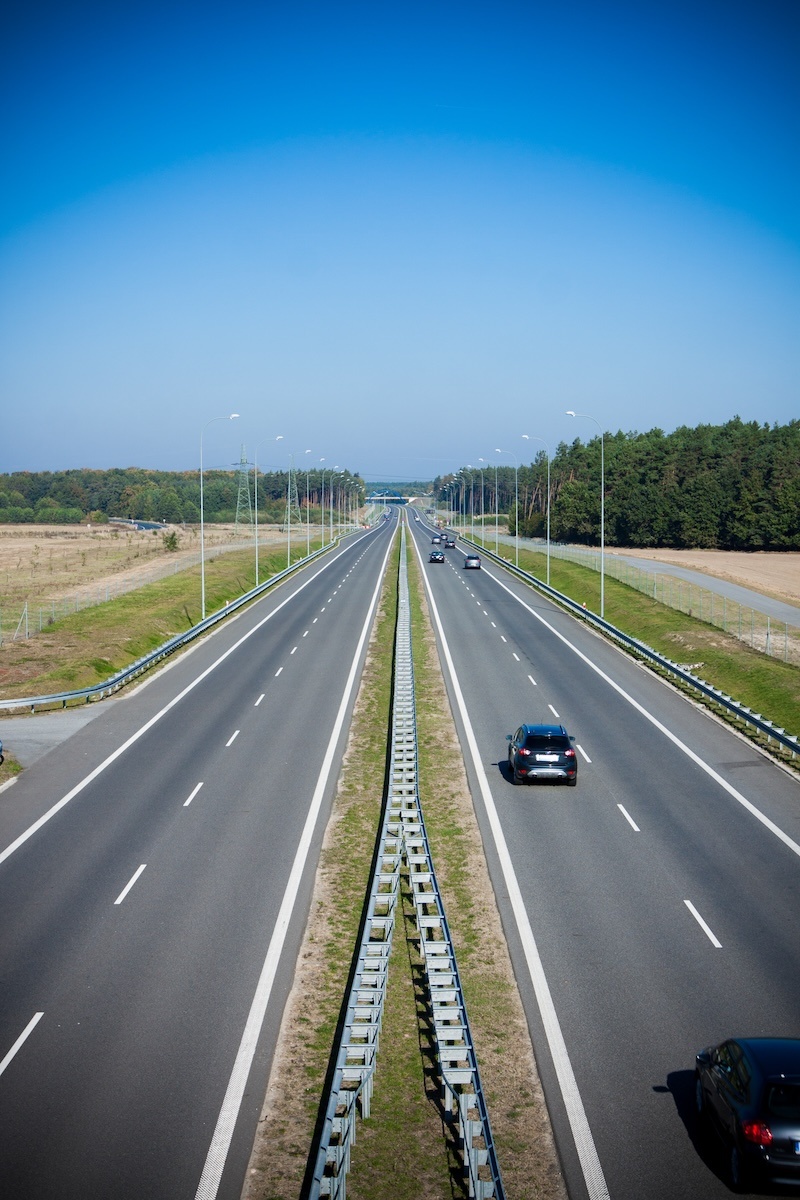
(39, 563)
(772, 573)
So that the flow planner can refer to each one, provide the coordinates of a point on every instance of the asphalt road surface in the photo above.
(651, 910)
(154, 883)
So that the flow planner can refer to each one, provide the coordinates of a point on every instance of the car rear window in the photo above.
(783, 1100)
(535, 741)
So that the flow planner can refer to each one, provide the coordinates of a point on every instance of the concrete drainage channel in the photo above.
(404, 842)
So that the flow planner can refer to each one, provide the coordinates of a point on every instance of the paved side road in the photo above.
(776, 610)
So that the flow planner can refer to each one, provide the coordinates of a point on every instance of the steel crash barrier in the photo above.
(99, 691)
(772, 731)
(403, 845)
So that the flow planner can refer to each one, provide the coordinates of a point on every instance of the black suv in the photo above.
(542, 752)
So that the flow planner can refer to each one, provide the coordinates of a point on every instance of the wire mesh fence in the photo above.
(779, 639)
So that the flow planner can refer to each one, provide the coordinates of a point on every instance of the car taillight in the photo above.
(523, 751)
(757, 1132)
(569, 753)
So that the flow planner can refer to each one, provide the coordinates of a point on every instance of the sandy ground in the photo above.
(775, 573)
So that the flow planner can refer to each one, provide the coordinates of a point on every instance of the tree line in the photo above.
(731, 487)
(70, 497)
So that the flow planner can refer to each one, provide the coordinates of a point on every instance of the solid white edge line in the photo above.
(130, 884)
(676, 741)
(87, 779)
(629, 818)
(576, 1114)
(29, 1028)
(702, 924)
(186, 803)
(221, 1140)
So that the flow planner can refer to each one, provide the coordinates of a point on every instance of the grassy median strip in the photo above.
(766, 685)
(405, 1150)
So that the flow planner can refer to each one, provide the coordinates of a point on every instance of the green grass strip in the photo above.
(764, 684)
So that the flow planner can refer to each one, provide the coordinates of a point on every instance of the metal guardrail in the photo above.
(99, 691)
(756, 720)
(404, 840)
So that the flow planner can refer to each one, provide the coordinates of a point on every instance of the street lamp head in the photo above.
(527, 439)
(233, 416)
(570, 412)
(497, 450)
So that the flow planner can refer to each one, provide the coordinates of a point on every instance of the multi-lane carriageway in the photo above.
(155, 873)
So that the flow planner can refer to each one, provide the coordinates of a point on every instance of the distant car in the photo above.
(436, 540)
(542, 752)
(748, 1091)
(436, 556)
(472, 563)
(449, 543)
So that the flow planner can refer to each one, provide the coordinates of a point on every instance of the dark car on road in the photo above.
(472, 563)
(542, 752)
(747, 1090)
(436, 556)
(449, 543)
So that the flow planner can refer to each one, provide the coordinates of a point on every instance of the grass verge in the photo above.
(766, 685)
(90, 646)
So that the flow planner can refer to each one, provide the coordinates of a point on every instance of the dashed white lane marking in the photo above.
(232, 738)
(129, 884)
(258, 701)
(533, 681)
(323, 608)
(293, 649)
(516, 656)
(493, 625)
(277, 673)
(315, 620)
(208, 1186)
(629, 818)
(305, 634)
(702, 924)
(484, 612)
(583, 752)
(186, 803)
(502, 639)
(553, 711)
(29, 1028)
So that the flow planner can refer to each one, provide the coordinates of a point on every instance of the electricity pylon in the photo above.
(244, 506)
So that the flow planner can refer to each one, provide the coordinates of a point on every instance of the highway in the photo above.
(651, 910)
(155, 875)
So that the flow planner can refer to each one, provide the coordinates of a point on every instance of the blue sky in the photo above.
(400, 236)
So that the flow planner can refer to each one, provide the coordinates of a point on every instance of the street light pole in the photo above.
(231, 417)
(279, 438)
(547, 448)
(308, 514)
(588, 417)
(516, 502)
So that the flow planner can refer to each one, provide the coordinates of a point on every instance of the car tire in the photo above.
(572, 782)
(738, 1172)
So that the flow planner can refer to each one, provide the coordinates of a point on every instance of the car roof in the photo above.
(545, 730)
(773, 1056)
